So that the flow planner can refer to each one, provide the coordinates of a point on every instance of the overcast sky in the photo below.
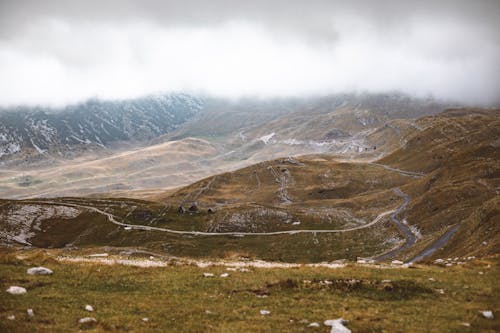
(58, 52)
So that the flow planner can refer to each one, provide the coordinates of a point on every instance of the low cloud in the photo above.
(59, 53)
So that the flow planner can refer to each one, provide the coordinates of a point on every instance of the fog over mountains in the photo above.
(61, 53)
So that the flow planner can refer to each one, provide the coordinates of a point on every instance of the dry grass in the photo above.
(180, 299)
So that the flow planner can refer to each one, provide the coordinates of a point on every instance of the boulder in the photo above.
(15, 290)
(337, 325)
(39, 271)
(488, 314)
(87, 321)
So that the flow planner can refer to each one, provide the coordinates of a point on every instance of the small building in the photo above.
(193, 208)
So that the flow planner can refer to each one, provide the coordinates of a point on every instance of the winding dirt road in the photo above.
(404, 229)
(410, 237)
(113, 219)
(436, 245)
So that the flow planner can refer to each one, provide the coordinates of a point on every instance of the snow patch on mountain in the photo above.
(92, 123)
(267, 138)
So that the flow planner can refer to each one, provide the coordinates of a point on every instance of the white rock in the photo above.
(39, 271)
(439, 261)
(396, 262)
(313, 325)
(231, 269)
(128, 228)
(208, 275)
(465, 324)
(264, 312)
(11, 317)
(487, 314)
(223, 275)
(145, 319)
(432, 279)
(99, 255)
(15, 290)
(89, 308)
(337, 325)
(30, 313)
(87, 320)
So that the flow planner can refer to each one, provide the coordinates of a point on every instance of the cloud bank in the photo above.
(59, 52)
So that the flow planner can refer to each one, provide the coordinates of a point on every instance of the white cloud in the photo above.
(57, 62)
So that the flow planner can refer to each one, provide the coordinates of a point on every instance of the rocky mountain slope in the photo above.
(229, 135)
(27, 134)
(335, 124)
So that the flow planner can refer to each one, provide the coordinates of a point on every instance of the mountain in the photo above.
(28, 134)
(215, 135)
(336, 123)
(436, 196)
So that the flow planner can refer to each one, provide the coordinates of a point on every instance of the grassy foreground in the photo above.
(180, 299)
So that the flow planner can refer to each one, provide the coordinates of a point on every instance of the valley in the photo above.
(250, 166)
(214, 137)
(422, 202)
(336, 209)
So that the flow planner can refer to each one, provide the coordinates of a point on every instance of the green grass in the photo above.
(176, 298)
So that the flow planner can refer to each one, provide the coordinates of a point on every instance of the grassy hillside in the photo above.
(179, 299)
(459, 152)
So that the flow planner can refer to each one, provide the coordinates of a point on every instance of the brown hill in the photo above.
(435, 196)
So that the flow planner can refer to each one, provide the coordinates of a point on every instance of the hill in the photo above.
(436, 196)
